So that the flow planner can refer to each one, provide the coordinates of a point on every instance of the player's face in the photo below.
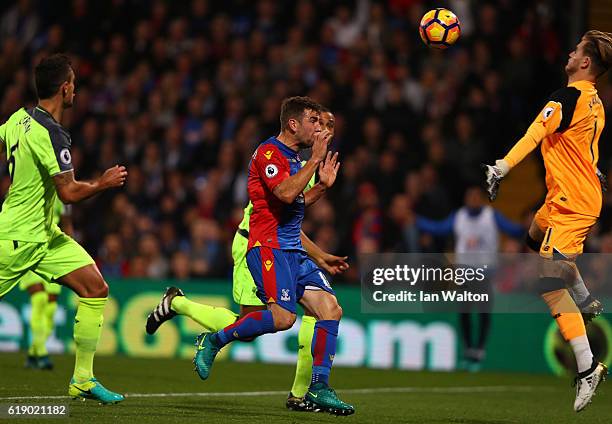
(473, 198)
(68, 92)
(328, 123)
(576, 58)
(308, 127)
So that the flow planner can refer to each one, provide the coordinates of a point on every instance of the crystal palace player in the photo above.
(281, 269)
(174, 302)
(568, 128)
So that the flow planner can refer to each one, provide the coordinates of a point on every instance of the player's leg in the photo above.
(16, 260)
(323, 349)
(68, 263)
(563, 242)
(53, 290)
(174, 302)
(315, 294)
(303, 369)
(588, 305)
(32, 283)
(272, 271)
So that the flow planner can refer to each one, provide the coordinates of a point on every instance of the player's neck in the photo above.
(52, 107)
(580, 76)
(288, 141)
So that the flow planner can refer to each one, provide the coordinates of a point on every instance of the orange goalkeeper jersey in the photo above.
(568, 127)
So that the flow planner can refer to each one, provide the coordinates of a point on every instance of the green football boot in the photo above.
(93, 389)
(206, 351)
(324, 398)
(32, 362)
(300, 404)
(44, 363)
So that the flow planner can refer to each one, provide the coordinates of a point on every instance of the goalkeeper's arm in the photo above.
(546, 123)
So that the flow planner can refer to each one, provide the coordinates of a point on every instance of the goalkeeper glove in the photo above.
(494, 175)
(603, 180)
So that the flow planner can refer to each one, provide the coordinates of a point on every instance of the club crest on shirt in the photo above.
(271, 171)
(285, 295)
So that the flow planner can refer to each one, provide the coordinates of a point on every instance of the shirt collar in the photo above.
(582, 84)
(45, 111)
(283, 147)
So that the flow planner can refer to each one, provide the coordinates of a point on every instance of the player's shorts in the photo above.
(282, 276)
(564, 230)
(244, 288)
(30, 279)
(50, 260)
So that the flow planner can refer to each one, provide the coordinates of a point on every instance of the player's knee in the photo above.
(96, 287)
(336, 312)
(332, 311)
(284, 320)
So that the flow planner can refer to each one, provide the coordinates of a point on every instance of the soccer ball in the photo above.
(439, 28)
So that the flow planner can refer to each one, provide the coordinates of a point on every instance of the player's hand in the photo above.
(319, 147)
(328, 170)
(333, 264)
(493, 176)
(603, 180)
(114, 177)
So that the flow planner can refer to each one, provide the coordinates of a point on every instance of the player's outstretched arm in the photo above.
(71, 191)
(546, 123)
(291, 187)
(330, 263)
(328, 171)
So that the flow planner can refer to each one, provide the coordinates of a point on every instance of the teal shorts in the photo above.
(244, 288)
(50, 260)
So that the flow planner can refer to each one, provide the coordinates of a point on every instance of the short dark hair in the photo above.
(598, 47)
(294, 107)
(50, 74)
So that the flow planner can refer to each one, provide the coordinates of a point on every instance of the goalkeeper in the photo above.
(568, 129)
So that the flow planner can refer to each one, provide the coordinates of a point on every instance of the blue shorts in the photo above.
(282, 276)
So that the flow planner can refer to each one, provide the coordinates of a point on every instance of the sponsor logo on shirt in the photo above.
(269, 154)
(268, 264)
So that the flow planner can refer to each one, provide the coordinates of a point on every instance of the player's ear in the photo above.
(586, 62)
(293, 125)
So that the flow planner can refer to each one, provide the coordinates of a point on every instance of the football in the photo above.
(440, 28)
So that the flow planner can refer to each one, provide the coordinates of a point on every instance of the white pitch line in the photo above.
(414, 389)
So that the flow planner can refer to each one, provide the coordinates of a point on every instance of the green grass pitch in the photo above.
(168, 391)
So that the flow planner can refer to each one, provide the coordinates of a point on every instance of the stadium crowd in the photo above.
(182, 92)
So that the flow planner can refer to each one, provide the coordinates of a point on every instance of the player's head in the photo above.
(300, 117)
(328, 121)
(593, 54)
(54, 77)
(474, 198)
